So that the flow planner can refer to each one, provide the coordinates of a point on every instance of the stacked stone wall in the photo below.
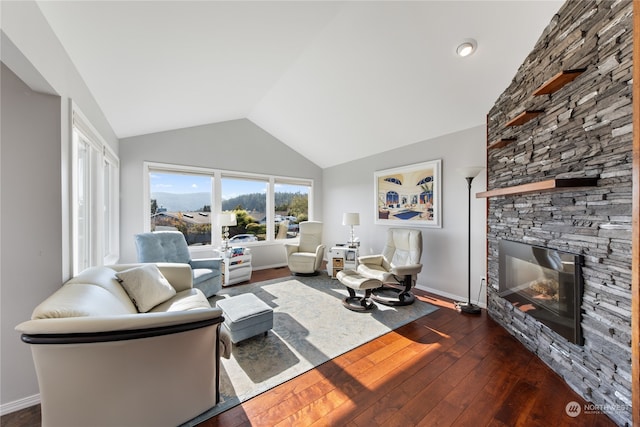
(585, 131)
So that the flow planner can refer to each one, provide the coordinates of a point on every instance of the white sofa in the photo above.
(100, 362)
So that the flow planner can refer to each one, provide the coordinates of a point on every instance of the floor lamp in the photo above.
(467, 307)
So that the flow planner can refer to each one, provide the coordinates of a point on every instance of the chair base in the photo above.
(315, 273)
(358, 303)
(388, 295)
(353, 281)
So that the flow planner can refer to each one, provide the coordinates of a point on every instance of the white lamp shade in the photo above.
(350, 218)
(470, 171)
(227, 219)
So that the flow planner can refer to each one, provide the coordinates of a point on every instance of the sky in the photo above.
(183, 183)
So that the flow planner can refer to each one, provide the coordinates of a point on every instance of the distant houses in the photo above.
(196, 226)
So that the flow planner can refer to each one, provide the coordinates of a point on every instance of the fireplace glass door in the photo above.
(544, 283)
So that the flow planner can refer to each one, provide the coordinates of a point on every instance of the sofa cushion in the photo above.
(105, 278)
(190, 299)
(146, 286)
(81, 300)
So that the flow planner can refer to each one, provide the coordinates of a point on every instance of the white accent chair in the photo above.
(306, 257)
(398, 264)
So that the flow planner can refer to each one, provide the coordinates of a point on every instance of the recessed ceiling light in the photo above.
(466, 48)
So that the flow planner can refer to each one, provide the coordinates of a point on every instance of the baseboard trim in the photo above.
(266, 267)
(450, 296)
(16, 405)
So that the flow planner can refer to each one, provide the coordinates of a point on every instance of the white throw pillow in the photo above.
(146, 286)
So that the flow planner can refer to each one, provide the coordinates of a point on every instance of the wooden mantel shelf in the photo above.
(548, 185)
(524, 117)
(558, 81)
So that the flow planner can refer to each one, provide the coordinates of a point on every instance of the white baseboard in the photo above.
(450, 296)
(16, 405)
(266, 267)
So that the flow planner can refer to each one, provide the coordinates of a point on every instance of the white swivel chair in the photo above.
(305, 258)
(398, 264)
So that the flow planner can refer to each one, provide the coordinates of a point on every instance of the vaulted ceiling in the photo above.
(335, 81)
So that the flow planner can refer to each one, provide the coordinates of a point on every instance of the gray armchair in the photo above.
(171, 246)
(305, 258)
(398, 264)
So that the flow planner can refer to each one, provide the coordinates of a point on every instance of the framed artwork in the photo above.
(409, 195)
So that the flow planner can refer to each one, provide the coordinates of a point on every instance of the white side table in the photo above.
(342, 258)
(236, 265)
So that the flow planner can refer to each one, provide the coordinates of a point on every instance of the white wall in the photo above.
(30, 223)
(38, 84)
(350, 188)
(237, 145)
(33, 52)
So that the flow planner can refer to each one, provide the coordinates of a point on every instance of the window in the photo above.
(248, 199)
(181, 201)
(291, 206)
(188, 199)
(95, 172)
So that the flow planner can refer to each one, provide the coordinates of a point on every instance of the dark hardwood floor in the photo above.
(443, 369)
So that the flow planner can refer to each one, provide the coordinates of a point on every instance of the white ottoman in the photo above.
(355, 282)
(245, 316)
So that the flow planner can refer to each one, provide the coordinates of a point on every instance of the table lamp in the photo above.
(226, 219)
(351, 219)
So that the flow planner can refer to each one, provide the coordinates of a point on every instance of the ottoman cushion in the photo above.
(353, 280)
(245, 316)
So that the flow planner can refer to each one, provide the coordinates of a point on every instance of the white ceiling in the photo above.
(335, 81)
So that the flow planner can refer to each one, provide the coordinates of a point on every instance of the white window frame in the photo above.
(216, 202)
(102, 238)
(111, 245)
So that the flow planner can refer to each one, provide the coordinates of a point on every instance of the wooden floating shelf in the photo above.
(502, 142)
(548, 185)
(524, 117)
(558, 81)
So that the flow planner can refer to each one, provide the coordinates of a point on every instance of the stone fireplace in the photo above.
(544, 283)
(559, 177)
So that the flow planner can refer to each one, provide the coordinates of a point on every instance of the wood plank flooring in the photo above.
(440, 370)
(443, 369)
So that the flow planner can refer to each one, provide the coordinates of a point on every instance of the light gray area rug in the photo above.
(311, 326)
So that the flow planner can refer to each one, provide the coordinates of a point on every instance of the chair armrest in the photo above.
(290, 248)
(116, 323)
(212, 263)
(371, 259)
(224, 343)
(403, 270)
(320, 249)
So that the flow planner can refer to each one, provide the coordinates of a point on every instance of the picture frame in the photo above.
(409, 195)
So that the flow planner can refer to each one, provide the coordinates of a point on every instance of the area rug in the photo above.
(311, 326)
